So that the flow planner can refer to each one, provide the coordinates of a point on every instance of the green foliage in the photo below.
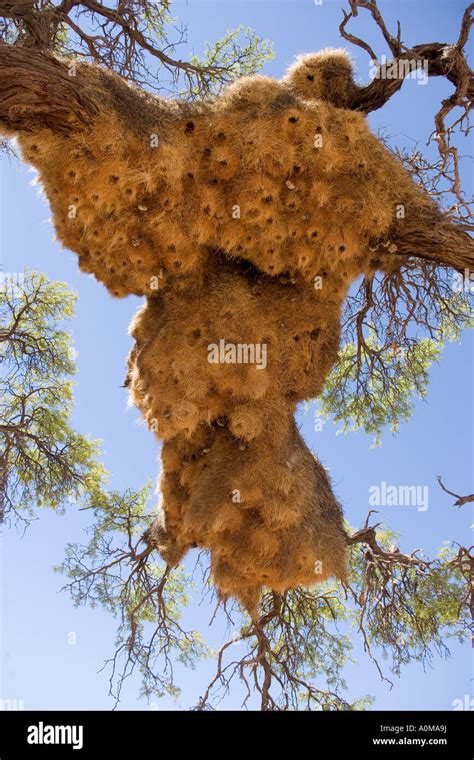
(405, 608)
(408, 607)
(43, 461)
(388, 398)
(310, 649)
(240, 51)
(119, 572)
(139, 39)
(394, 328)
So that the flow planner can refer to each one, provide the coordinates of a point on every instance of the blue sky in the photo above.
(38, 665)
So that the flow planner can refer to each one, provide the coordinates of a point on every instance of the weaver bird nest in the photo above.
(243, 220)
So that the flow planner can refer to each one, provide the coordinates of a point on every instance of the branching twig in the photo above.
(460, 500)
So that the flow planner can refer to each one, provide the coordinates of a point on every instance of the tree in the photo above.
(137, 39)
(44, 462)
(404, 606)
(118, 571)
(393, 328)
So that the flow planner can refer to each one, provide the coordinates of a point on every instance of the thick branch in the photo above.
(442, 243)
(37, 90)
(437, 58)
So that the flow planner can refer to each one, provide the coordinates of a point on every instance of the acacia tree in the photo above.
(43, 461)
(404, 605)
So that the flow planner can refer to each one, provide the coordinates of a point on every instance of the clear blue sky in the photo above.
(38, 665)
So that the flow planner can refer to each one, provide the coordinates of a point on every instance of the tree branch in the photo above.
(37, 90)
(440, 59)
(460, 500)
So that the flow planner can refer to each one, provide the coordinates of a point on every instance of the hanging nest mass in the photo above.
(243, 220)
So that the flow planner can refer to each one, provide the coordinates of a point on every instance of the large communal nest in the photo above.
(243, 220)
